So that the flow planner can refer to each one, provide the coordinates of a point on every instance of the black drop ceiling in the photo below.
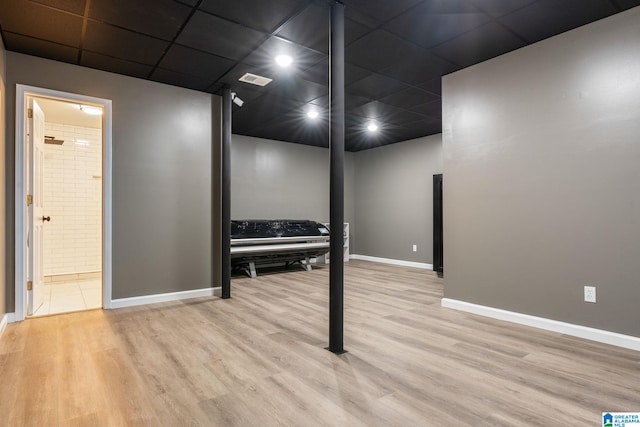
(396, 51)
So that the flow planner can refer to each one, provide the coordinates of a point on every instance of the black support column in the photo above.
(226, 193)
(336, 145)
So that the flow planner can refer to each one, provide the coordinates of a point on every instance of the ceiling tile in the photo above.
(546, 18)
(384, 113)
(419, 66)
(353, 31)
(501, 7)
(37, 47)
(433, 86)
(34, 20)
(353, 101)
(297, 89)
(319, 73)
(380, 49)
(627, 4)
(381, 10)
(264, 55)
(258, 14)
(431, 109)
(119, 43)
(114, 65)
(159, 18)
(435, 22)
(197, 63)
(478, 45)
(73, 6)
(310, 28)
(179, 79)
(409, 98)
(375, 85)
(220, 37)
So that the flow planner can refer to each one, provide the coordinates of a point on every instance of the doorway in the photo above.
(68, 198)
(63, 203)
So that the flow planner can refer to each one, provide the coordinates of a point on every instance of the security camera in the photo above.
(236, 100)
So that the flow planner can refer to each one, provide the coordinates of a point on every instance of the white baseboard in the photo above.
(6, 319)
(172, 296)
(599, 335)
(422, 265)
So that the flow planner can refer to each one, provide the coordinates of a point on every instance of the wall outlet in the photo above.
(415, 248)
(590, 294)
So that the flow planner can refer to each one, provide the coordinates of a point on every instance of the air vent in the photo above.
(255, 79)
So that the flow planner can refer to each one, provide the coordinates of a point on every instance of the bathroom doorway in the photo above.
(63, 240)
(71, 210)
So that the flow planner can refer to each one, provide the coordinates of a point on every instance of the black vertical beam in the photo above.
(226, 193)
(438, 262)
(336, 145)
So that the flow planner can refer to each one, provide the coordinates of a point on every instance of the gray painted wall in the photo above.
(3, 276)
(273, 179)
(162, 205)
(542, 178)
(394, 199)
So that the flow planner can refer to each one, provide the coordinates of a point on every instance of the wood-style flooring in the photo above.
(258, 359)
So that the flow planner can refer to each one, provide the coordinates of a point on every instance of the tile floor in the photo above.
(62, 297)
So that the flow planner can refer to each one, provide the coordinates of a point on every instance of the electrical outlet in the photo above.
(590, 294)
(415, 248)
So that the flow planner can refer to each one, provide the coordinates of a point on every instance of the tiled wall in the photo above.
(73, 199)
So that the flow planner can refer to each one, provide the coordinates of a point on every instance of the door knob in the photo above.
(46, 218)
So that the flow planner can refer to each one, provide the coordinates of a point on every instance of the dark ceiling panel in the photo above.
(546, 18)
(34, 20)
(431, 109)
(396, 51)
(380, 10)
(319, 73)
(114, 65)
(73, 6)
(376, 86)
(380, 49)
(627, 4)
(409, 97)
(223, 38)
(196, 63)
(435, 22)
(266, 53)
(310, 28)
(478, 45)
(433, 86)
(159, 18)
(384, 113)
(296, 89)
(260, 15)
(119, 43)
(418, 66)
(179, 79)
(37, 47)
(498, 8)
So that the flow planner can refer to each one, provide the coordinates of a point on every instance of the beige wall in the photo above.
(394, 199)
(542, 178)
(162, 174)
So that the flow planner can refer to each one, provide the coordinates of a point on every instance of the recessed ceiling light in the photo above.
(313, 114)
(88, 109)
(372, 127)
(284, 60)
(255, 79)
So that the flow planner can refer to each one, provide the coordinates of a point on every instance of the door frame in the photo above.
(22, 92)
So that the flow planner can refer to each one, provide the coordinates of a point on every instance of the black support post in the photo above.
(226, 193)
(336, 145)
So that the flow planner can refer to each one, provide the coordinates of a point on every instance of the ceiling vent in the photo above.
(255, 79)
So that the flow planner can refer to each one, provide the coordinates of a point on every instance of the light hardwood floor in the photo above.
(259, 360)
